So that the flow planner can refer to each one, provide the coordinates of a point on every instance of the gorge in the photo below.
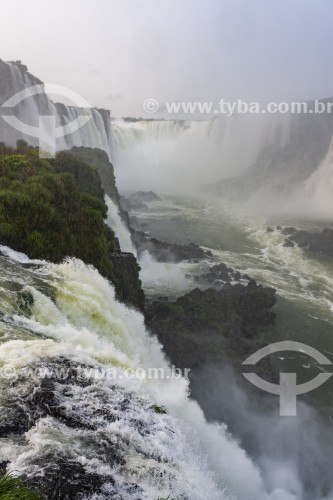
(98, 288)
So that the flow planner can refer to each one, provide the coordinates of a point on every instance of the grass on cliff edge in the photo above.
(11, 488)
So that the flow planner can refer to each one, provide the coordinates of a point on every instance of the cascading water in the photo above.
(172, 156)
(14, 77)
(116, 223)
(65, 317)
(175, 155)
(167, 277)
(319, 187)
(106, 426)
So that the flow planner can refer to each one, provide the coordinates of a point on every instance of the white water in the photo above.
(305, 284)
(86, 323)
(319, 189)
(169, 278)
(174, 156)
(119, 227)
(177, 156)
(95, 133)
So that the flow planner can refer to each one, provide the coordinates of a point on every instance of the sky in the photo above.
(118, 53)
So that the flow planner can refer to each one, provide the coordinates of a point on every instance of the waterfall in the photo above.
(119, 227)
(178, 155)
(320, 183)
(75, 321)
(174, 156)
(14, 77)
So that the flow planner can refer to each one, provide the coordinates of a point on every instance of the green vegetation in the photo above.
(54, 208)
(50, 209)
(11, 488)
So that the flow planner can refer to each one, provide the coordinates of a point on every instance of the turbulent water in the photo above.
(75, 321)
(68, 409)
(176, 158)
(304, 313)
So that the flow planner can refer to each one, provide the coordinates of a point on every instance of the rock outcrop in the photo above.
(220, 274)
(168, 252)
(212, 325)
(126, 279)
(315, 243)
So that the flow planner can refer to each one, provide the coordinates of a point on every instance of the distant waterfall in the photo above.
(176, 155)
(320, 184)
(316, 194)
(14, 77)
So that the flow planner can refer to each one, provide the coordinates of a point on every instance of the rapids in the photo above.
(75, 320)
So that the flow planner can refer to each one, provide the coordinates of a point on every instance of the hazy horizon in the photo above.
(127, 51)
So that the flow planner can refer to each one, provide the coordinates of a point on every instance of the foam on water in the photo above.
(86, 322)
(19, 256)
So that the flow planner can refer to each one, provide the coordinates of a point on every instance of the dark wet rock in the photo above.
(220, 274)
(99, 160)
(288, 244)
(25, 301)
(3, 465)
(67, 480)
(288, 230)
(163, 298)
(269, 230)
(168, 252)
(127, 280)
(212, 325)
(315, 243)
